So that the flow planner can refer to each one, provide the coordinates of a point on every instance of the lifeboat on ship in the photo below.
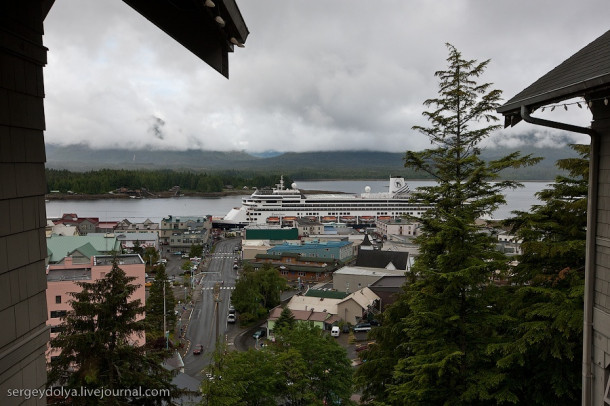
(329, 219)
(289, 219)
(348, 219)
(367, 219)
(384, 218)
(273, 220)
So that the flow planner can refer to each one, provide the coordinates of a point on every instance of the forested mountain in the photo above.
(303, 165)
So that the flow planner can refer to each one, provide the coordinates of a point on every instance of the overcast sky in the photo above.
(314, 75)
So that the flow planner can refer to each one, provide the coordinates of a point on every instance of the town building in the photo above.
(180, 233)
(58, 247)
(309, 226)
(295, 267)
(397, 226)
(106, 227)
(352, 308)
(508, 244)
(147, 226)
(270, 233)
(383, 259)
(353, 278)
(388, 288)
(60, 229)
(62, 278)
(251, 248)
(85, 225)
(144, 240)
(322, 320)
(339, 250)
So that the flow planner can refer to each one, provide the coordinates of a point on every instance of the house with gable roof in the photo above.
(351, 308)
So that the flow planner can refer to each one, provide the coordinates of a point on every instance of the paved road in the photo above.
(209, 317)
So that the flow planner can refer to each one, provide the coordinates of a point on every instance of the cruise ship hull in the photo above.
(283, 206)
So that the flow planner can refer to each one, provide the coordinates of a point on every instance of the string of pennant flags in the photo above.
(579, 103)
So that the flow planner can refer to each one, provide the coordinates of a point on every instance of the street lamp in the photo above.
(164, 318)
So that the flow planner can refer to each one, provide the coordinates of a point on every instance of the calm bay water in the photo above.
(155, 209)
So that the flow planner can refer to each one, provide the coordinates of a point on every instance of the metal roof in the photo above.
(330, 294)
(585, 72)
(60, 246)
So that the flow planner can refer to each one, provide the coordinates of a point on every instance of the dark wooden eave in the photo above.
(193, 25)
(584, 74)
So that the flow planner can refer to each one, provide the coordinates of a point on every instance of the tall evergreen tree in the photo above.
(150, 256)
(196, 250)
(449, 317)
(96, 345)
(155, 305)
(542, 353)
(286, 320)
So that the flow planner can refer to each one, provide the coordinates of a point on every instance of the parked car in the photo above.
(335, 331)
(231, 309)
(259, 333)
(360, 327)
(361, 347)
(374, 323)
(198, 349)
(231, 318)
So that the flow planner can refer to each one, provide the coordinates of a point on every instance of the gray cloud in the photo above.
(314, 75)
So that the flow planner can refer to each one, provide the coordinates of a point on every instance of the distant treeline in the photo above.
(106, 180)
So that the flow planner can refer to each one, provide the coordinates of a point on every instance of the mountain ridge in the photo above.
(300, 165)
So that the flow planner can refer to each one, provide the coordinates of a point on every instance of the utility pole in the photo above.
(217, 308)
(164, 319)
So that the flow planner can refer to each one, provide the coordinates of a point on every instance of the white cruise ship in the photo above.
(283, 206)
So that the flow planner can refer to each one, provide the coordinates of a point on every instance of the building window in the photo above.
(58, 299)
(55, 314)
(301, 273)
(57, 329)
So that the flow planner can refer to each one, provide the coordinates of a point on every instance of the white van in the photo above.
(335, 331)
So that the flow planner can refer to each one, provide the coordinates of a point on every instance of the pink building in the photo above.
(62, 278)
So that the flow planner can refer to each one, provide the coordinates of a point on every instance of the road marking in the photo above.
(222, 287)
